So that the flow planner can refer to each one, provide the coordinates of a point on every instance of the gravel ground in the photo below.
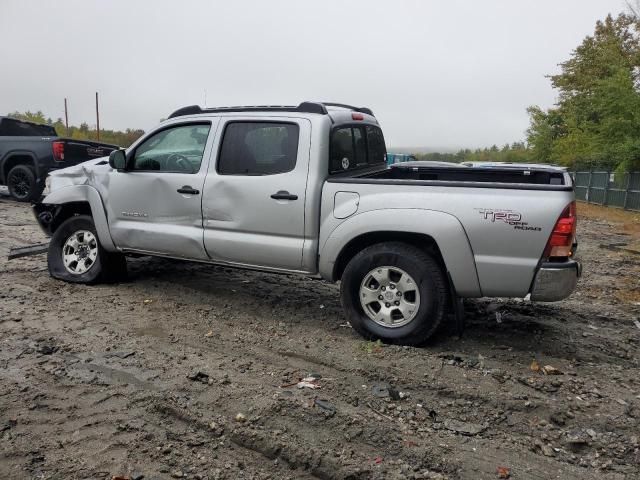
(190, 371)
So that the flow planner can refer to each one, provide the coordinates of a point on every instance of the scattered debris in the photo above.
(8, 425)
(120, 354)
(551, 370)
(198, 376)
(577, 440)
(308, 382)
(535, 366)
(209, 334)
(384, 390)
(636, 323)
(547, 451)
(147, 301)
(504, 472)
(120, 477)
(379, 412)
(498, 317)
(240, 418)
(377, 460)
(346, 325)
(464, 428)
(46, 349)
(17, 252)
(325, 405)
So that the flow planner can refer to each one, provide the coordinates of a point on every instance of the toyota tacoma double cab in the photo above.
(306, 190)
(28, 151)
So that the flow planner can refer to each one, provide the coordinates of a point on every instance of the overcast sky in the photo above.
(437, 73)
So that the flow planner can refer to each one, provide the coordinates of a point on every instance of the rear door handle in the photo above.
(284, 195)
(188, 190)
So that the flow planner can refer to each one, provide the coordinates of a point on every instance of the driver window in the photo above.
(178, 149)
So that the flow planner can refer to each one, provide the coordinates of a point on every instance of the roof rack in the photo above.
(304, 107)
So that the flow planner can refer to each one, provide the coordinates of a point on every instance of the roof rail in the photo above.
(304, 107)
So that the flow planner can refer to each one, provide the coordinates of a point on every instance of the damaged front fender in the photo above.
(73, 200)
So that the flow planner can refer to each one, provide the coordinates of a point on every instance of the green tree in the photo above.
(597, 118)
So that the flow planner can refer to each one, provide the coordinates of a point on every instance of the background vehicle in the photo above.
(307, 190)
(28, 151)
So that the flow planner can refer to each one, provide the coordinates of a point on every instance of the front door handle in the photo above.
(188, 190)
(284, 195)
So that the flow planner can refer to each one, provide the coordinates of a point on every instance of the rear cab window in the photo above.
(258, 148)
(355, 147)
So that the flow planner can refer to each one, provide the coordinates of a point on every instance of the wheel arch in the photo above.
(17, 157)
(66, 202)
(422, 241)
(438, 233)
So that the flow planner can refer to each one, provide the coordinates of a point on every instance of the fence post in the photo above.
(589, 187)
(606, 189)
(626, 190)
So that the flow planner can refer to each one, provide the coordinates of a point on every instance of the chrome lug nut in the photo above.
(380, 297)
(392, 286)
(387, 305)
(397, 303)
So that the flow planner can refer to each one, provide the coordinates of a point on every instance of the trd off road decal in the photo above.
(510, 217)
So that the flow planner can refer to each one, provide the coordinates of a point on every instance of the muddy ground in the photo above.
(189, 371)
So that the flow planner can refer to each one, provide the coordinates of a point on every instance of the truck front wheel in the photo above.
(75, 254)
(394, 292)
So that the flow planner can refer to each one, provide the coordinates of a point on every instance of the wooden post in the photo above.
(626, 190)
(606, 189)
(97, 117)
(66, 116)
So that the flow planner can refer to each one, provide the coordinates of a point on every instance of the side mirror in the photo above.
(118, 160)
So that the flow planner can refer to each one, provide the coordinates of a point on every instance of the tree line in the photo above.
(596, 120)
(82, 132)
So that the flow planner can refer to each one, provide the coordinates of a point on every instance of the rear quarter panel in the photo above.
(491, 239)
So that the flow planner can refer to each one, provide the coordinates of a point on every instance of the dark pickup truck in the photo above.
(28, 151)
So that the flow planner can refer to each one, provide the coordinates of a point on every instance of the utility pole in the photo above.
(97, 117)
(66, 116)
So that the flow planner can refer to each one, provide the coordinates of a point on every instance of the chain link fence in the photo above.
(608, 188)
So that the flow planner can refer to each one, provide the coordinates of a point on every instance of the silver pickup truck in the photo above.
(306, 190)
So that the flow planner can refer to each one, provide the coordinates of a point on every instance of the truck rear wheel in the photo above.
(75, 254)
(394, 292)
(22, 184)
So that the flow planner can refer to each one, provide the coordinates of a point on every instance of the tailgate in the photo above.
(76, 151)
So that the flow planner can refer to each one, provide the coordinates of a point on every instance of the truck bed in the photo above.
(428, 173)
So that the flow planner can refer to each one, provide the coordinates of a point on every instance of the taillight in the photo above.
(560, 244)
(357, 116)
(58, 151)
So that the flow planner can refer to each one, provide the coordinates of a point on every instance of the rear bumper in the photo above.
(555, 281)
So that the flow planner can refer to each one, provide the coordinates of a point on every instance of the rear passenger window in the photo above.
(355, 146)
(258, 148)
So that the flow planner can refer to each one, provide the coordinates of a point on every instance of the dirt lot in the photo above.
(147, 378)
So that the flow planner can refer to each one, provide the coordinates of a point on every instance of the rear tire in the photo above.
(407, 273)
(76, 256)
(22, 184)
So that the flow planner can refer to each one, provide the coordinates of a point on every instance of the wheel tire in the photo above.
(22, 184)
(107, 266)
(428, 276)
